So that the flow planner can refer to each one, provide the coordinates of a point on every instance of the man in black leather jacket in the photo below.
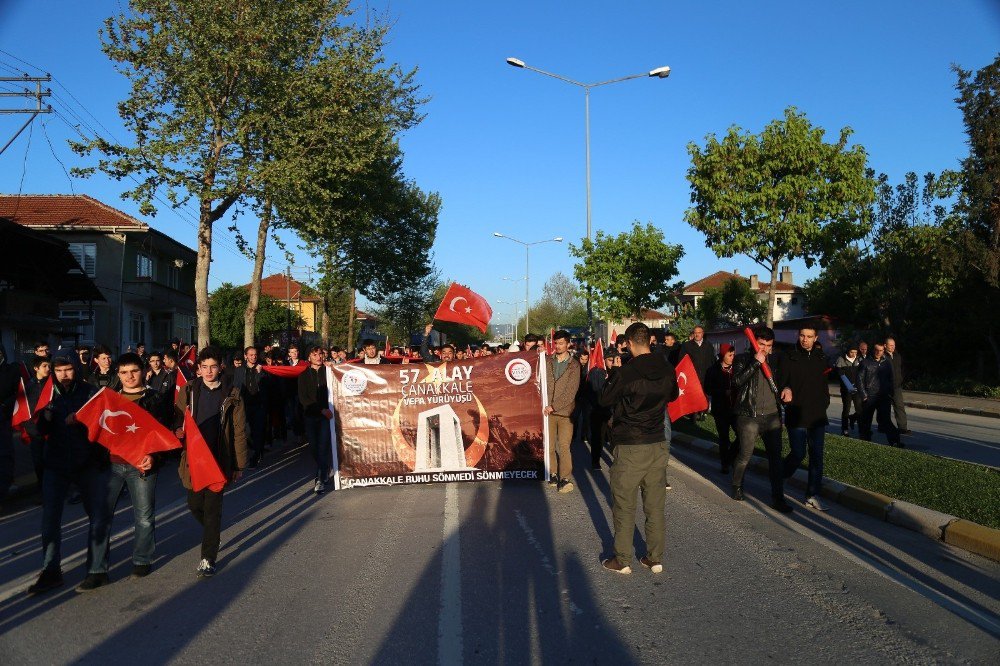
(758, 411)
(875, 384)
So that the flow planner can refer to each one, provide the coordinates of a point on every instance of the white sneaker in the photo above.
(814, 503)
(320, 487)
(205, 569)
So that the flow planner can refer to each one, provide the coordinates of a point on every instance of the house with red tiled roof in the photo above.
(789, 302)
(654, 319)
(145, 276)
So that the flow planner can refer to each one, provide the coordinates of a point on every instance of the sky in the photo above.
(504, 147)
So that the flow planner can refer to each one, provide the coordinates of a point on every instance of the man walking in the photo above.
(898, 402)
(758, 412)
(248, 379)
(805, 416)
(702, 357)
(848, 365)
(720, 389)
(217, 410)
(875, 382)
(638, 394)
(563, 380)
(314, 396)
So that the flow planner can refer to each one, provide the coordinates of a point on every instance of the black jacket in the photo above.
(110, 380)
(701, 356)
(313, 392)
(251, 384)
(875, 378)
(808, 377)
(897, 369)
(67, 448)
(846, 368)
(721, 389)
(747, 374)
(638, 394)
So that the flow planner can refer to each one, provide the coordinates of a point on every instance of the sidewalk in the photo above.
(943, 402)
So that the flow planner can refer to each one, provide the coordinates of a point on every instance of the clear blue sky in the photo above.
(505, 147)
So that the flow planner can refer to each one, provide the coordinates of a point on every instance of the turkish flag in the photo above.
(388, 350)
(614, 336)
(202, 465)
(123, 427)
(464, 306)
(188, 357)
(45, 397)
(22, 410)
(692, 397)
(180, 382)
(596, 357)
(286, 371)
(550, 344)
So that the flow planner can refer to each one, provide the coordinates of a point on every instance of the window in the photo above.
(143, 265)
(137, 328)
(85, 255)
(173, 277)
(83, 320)
(795, 300)
(779, 300)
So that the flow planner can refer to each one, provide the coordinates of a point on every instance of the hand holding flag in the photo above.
(124, 428)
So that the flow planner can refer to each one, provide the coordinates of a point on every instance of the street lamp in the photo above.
(517, 316)
(527, 275)
(658, 73)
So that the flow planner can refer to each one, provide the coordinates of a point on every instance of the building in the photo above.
(37, 273)
(786, 334)
(146, 277)
(657, 321)
(789, 301)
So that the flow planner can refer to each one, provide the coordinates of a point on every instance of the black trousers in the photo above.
(598, 434)
(879, 406)
(848, 399)
(725, 424)
(206, 507)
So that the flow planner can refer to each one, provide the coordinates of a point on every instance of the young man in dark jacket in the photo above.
(248, 377)
(720, 389)
(314, 396)
(808, 369)
(758, 412)
(848, 366)
(141, 480)
(638, 395)
(104, 374)
(600, 415)
(875, 384)
(69, 457)
(217, 410)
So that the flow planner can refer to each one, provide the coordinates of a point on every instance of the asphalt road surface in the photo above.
(501, 573)
(974, 439)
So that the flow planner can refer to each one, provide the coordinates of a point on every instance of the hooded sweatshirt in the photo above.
(638, 395)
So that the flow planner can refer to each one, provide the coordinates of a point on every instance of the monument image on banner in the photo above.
(471, 420)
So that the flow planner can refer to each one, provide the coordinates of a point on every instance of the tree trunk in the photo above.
(350, 319)
(772, 289)
(202, 269)
(324, 312)
(992, 339)
(250, 318)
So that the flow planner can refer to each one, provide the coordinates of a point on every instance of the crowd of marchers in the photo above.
(244, 404)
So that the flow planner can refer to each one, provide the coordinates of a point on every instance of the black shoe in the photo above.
(906, 432)
(596, 467)
(49, 579)
(738, 493)
(553, 482)
(141, 570)
(75, 498)
(781, 505)
(92, 582)
(845, 433)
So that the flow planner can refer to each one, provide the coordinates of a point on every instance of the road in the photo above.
(965, 437)
(501, 572)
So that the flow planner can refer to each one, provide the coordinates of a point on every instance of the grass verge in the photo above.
(961, 489)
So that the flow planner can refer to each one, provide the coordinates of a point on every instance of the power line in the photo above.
(45, 131)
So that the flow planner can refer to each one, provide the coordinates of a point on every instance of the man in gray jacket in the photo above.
(563, 380)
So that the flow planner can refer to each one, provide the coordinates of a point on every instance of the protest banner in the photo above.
(473, 420)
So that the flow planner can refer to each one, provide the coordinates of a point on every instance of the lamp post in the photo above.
(658, 73)
(527, 282)
(517, 316)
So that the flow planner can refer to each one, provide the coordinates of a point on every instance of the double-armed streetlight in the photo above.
(527, 281)
(658, 73)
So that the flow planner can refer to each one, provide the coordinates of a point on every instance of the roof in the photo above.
(281, 288)
(64, 211)
(716, 280)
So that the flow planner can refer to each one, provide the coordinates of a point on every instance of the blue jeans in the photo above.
(93, 485)
(142, 492)
(797, 439)
(318, 435)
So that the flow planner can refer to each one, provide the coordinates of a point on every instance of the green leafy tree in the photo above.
(732, 304)
(406, 311)
(228, 305)
(561, 306)
(629, 272)
(779, 195)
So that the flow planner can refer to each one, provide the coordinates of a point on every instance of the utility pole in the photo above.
(288, 306)
(37, 94)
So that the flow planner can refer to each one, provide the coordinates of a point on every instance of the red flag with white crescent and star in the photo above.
(22, 410)
(124, 428)
(614, 336)
(596, 357)
(202, 465)
(180, 382)
(45, 397)
(692, 397)
(188, 358)
(464, 306)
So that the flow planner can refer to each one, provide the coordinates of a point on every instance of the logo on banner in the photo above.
(518, 371)
(354, 382)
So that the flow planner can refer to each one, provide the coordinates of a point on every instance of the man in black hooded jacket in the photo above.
(638, 395)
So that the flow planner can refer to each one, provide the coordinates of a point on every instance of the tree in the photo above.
(779, 195)
(629, 272)
(408, 310)
(977, 228)
(561, 306)
(209, 83)
(228, 304)
(732, 304)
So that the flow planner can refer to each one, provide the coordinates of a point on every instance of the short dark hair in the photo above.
(449, 346)
(61, 362)
(38, 360)
(638, 333)
(367, 342)
(561, 335)
(171, 354)
(80, 348)
(316, 348)
(130, 358)
(41, 344)
(210, 353)
(248, 348)
(294, 346)
(140, 344)
(101, 349)
(764, 333)
(155, 354)
(531, 337)
(809, 327)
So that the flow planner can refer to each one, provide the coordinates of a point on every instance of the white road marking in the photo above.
(450, 619)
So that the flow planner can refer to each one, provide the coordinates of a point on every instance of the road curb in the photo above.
(958, 532)
(920, 404)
